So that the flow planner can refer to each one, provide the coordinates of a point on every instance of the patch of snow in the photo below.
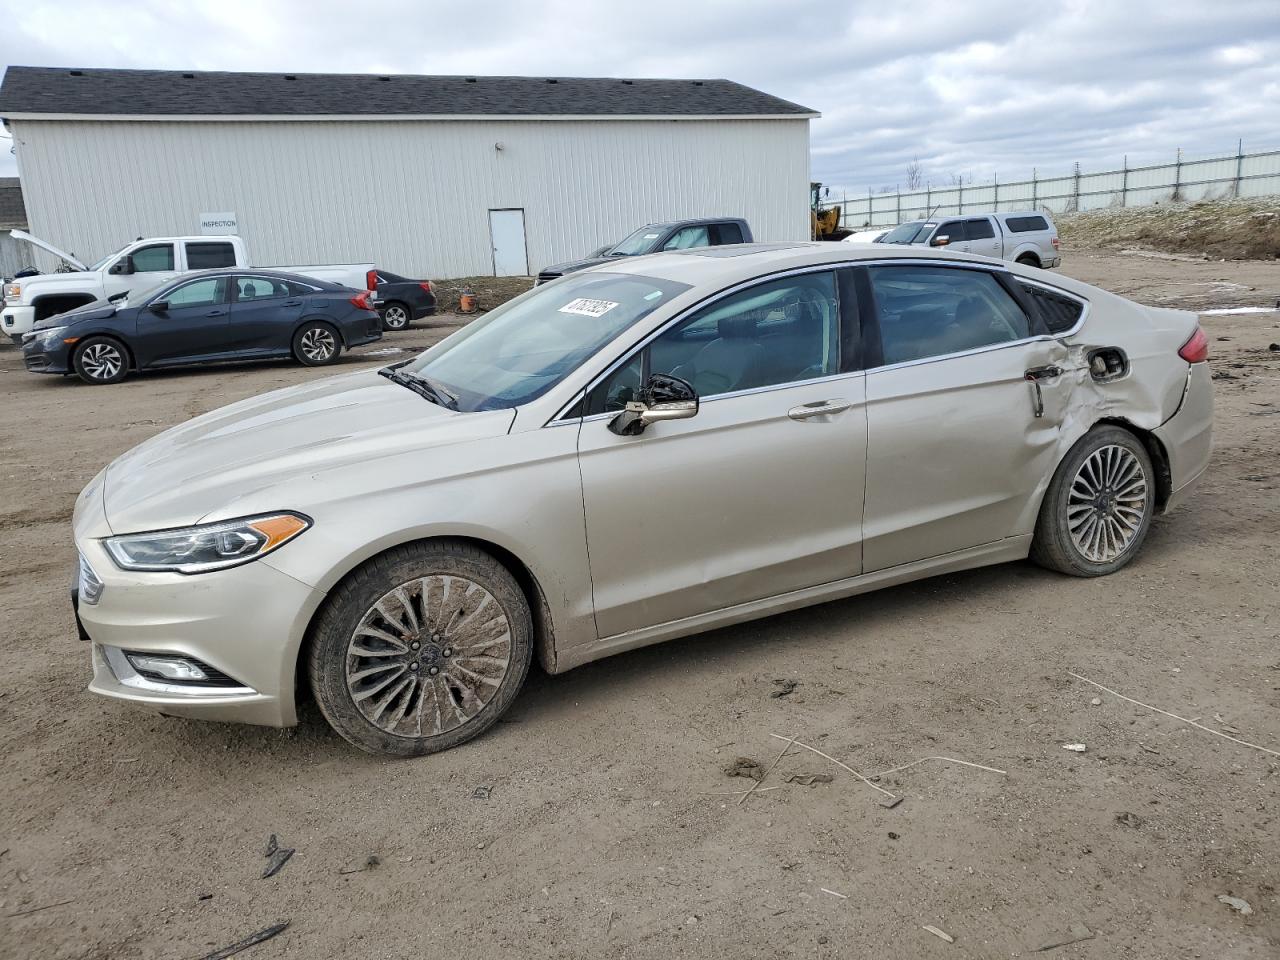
(384, 352)
(1229, 311)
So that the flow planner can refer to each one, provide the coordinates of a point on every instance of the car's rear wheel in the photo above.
(316, 344)
(1098, 508)
(395, 316)
(101, 360)
(1029, 260)
(421, 649)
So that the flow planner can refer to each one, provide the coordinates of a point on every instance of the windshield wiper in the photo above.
(421, 386)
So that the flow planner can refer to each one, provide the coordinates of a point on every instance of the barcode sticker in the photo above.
(587, 307)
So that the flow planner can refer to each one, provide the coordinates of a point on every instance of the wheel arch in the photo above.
(68, 301)
(327, 321)
(130, 357)
(543, 625)
(1155, 450)
(1028, 256)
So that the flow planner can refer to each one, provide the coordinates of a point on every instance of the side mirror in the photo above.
(122, 266)
(940, 241)
(158, 306)
(664, 398)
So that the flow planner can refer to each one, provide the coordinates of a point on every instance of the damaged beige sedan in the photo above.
(627, 455)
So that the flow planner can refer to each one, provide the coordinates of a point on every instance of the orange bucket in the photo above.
(467, 302)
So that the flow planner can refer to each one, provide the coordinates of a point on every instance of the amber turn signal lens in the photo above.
(278, 530)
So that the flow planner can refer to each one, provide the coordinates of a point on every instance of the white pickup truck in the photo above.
(139, 266)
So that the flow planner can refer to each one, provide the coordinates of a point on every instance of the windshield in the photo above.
(912, 232)
(528, 345)
(99, 264)
(634, 244)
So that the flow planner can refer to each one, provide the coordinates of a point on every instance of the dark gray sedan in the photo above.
(205, 317)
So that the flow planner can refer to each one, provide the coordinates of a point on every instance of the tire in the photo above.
(395, 316)
(101, 360)
(1028, 260)
(439, 695)
(1098, 508)
(316, 344)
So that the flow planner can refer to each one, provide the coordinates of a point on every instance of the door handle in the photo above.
(292, 303)
(216, 313)
(1033, 377)
(821, 408)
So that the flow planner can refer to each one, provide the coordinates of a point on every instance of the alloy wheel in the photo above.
(428, 656)
(102, 361)
(1108, 503)
(318, 344)
(395, 317)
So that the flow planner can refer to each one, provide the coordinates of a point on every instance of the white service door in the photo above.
(506, 231)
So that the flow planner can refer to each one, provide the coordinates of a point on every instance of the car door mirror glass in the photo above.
(941, 240)
(664, 398)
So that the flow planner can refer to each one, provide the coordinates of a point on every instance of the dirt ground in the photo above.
(605, 828)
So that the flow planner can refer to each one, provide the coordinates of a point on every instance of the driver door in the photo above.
(152, 266)
(192, 328)
(758, 494)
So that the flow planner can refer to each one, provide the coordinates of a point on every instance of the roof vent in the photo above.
(628, 82)
(76, 73)
(384, 79)
(552, 80)
(697, 83)
(290, 76)
(188, 76)
(469, 79)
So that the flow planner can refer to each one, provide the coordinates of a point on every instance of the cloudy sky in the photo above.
(970, 88)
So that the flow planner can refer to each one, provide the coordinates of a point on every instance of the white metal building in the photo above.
(419, 174)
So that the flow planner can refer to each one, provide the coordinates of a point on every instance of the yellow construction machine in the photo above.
(824, 221)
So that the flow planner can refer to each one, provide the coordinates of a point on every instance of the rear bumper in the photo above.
(364, 327)
(1187, 436)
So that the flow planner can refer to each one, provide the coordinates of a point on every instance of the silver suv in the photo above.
(1028, 238)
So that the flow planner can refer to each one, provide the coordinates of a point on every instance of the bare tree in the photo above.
(915, 174)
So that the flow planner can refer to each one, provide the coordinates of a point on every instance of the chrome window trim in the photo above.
(684, 315)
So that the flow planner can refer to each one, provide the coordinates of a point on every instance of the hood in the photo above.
(98, 310)
(46, 245)
(246, 449)
(569, 266)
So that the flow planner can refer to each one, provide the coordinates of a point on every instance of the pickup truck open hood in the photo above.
(251, 450)
(45, 245)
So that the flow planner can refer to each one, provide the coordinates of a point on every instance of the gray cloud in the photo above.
(977, 89)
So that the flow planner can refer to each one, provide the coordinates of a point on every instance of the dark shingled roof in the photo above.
(12, 211)
(62, 90)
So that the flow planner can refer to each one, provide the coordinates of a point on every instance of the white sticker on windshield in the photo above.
(651, 236)
(587, 307)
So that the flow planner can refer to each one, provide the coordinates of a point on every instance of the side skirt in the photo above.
(1001, 551)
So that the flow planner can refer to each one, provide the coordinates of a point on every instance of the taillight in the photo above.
(1195, 350)
(1054, 241)
(371, 280)
(361, 301)
(428, 286)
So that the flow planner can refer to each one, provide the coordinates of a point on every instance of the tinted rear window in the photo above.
(210, 256)
(1060, 312)
(979, 229)
(1026, 224)
(726, 233)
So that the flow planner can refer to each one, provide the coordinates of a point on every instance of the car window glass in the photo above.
(781, 331)
(953, 229)
(260, 288)
(210, 256)
(688, 238)
(299, 289)
(934, 311)
(199, 293)
(726, 233)
(153, 259)
(1060, 312)
(979, 229)
(1026, 224)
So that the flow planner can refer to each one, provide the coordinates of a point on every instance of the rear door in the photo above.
(209, 254)
(722, 233)
(264, 313)
(758, 494)
(193, 326)
(960, 443)
(983, 237)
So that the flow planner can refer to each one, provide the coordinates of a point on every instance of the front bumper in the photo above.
(15, 321)
(1187, 436)
(52, 358)
(246, 622)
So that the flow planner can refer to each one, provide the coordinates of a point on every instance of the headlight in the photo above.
(13, 292)
(210, 546)
(52, 334)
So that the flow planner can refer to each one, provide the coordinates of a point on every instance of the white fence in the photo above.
(1239, 175)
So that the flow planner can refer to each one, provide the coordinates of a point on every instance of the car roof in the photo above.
(734, 263)
(269, 274)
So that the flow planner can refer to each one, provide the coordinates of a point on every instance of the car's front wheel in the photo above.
(421, 649)
(101, 360)
(316, 344)
(1098, 508)
(395, 316)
